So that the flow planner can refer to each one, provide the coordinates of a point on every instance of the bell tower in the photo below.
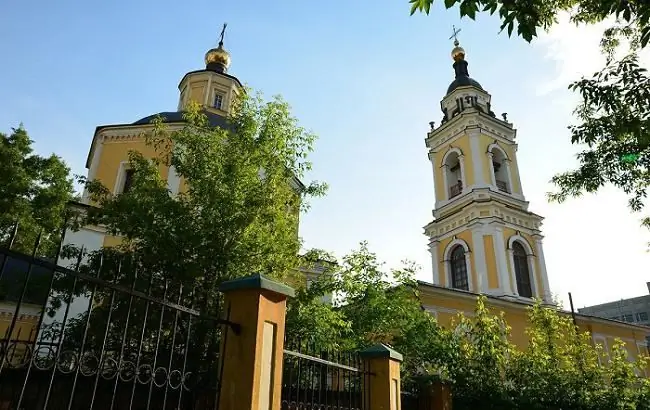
(482, 238)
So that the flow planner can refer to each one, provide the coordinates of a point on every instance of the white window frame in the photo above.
(121, 177)
(218, 93)
(532, 272)
(468, 264)
(506, 164)
(445, 172)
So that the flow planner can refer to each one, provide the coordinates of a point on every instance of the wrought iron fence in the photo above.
(103, 334)
(415, 396)
(315, 379)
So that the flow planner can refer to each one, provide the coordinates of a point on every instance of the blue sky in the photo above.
(364, 76)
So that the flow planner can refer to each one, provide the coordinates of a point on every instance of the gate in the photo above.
(105, 335)
(315, 380)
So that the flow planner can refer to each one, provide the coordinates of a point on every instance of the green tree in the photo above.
(237, 216)
(34, 191)
(371, 305)
(614, 115)
(478, 372)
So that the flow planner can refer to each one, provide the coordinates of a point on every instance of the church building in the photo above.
(483, 238)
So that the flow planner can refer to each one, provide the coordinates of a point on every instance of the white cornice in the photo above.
(484, 193)
(486, 213)
(468, 119)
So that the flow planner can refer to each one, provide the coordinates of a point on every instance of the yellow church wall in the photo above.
(510, 150)
(445, 304)
(114, 153)
(461, 143)
(490, 262)
(197, 91)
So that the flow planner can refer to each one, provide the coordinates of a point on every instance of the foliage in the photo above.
(34, 191)
(239, 212)
(560, 368)
(615, 128)
(530, 15)
(236, 214)
(479, 370)
(370, 306)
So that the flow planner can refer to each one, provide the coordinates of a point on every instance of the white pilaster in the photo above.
(546, 291)
(505, 284)
(94, 164)
(433, 250)
(509, 174)
(493, 178)
(518, 179)
(445, 184)
(479, 258)
(463, 177)
(435, 181)
(533, 278)
(479, 177)
(208, 93)
(511, 273)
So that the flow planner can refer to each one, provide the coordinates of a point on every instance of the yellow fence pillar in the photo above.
(252, 356)
(382, 388)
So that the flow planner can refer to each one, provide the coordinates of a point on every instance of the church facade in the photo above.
(483, 239)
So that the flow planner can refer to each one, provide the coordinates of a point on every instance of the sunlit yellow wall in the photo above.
(448, 303)
(490, 262)
(510, 151)
(461, 143)
(114, 152)
(25, 327)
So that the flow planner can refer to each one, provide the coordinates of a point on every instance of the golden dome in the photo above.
(218, 57)
(458, 53)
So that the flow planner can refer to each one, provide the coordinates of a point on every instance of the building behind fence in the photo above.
(107, 334)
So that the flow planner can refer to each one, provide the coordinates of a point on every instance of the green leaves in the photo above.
(615, 128)
(34, 190)
(421, 5)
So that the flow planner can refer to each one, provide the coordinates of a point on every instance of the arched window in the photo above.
(522, 271)
(453, 174)
(500, 170)
(458, 267)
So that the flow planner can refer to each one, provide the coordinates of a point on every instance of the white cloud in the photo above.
(594, 245)
(575, 51)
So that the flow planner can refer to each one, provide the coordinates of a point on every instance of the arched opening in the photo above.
(522, 270)
(454, 174)
(458, 268)
(500, 170)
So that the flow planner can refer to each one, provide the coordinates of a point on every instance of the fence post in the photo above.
(440, 396)
(382, 388)
(252, 356)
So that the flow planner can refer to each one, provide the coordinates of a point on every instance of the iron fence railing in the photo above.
(104, 334)
(316, 379)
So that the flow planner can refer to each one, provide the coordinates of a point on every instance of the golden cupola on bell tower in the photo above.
(482, 238)
(212, 87)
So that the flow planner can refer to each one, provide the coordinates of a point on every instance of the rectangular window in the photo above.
(128, 181)
(218, 101)
(628, 317)
(642, 316)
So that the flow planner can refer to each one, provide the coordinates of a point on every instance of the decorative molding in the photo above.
(469, 119)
